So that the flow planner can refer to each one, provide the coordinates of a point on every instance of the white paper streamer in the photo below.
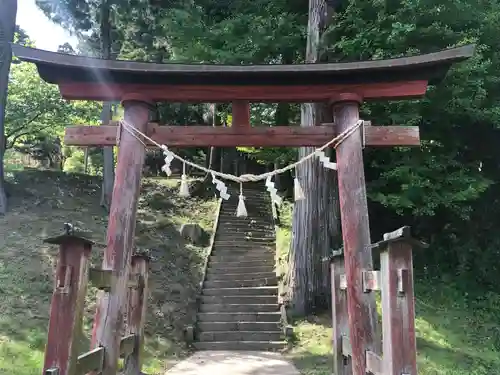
(325, 160)
(275, 198)
(221, 186)
(169, 157)
(297, 190)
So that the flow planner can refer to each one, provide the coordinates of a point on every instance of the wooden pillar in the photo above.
(121, 231)
(340, 321)
(137, 305)
(355, 233)
(398, 310)
(67, 306)
(241, 114)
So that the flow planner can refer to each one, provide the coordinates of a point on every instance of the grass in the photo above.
(40, 203)
(457, 333)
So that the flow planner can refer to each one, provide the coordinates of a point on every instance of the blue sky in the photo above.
(46, 34)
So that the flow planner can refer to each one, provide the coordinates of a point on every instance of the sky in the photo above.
(40, 29)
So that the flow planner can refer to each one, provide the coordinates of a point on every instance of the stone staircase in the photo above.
(239, 303)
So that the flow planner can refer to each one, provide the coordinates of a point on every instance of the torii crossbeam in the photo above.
(343, 85)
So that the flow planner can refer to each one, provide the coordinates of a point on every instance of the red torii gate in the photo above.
(344, 85)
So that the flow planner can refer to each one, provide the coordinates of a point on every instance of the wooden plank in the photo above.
(67, 305)
(398, 310)
(340, 321)
(374, 364)
(127, 345)
(346, 346)
(278, 136)
(356, 238)
(137, 306)
(241, 114)
(371, 281)
(92, 361)
(111, 307)
(258, 93)
(402, 233)
(101, 279)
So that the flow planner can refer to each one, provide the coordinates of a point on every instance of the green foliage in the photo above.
(445, 189)
(36, 109)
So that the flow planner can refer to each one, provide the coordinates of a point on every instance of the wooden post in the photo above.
(398, 310)
(241, 114)
(340, 319)
(137, 306)
(67, 306)
(121, 231)
(356, 234)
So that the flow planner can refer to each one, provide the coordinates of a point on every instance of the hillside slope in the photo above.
(41, 202)
(458, 332)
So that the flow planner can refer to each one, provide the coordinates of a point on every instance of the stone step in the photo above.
(240, 276)
(237, 308)
(228, 226)
(263, 258)
(272, 317)
(228, 299)
(239, 326)
(265, 262)
(244, 242)
(209, 284)
(240, 345)
(243, 249)
(257, 235)
(245, 227)
(240, 336)
(239, 269)
(239, 251)
(252, 209)
(255, 221)
(255, 291)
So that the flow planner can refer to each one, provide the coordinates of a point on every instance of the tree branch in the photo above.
(24, 125)
(14, 140)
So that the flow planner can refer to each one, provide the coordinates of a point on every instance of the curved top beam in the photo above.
(64, 70)
(65, 61)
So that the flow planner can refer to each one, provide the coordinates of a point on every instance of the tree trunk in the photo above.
(8, 11)
(108, 172)
(315, 219)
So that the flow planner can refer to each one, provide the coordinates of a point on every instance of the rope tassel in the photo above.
(297, 190)
(184, 190)
(241, 211)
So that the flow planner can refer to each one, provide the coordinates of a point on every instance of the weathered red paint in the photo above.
(340, 321)
(199, 136)
(67, 306)
(137, 306)
(356, 237)
(398, 310)
(120, 237)
(241, 114)
(220, 93)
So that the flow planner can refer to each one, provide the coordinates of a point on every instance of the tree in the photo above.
(8, 11)
(35, 108)
(94, 17)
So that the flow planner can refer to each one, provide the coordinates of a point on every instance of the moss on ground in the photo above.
(40, 203)
(457, 333)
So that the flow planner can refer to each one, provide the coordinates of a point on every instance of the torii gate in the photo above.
(344, 85)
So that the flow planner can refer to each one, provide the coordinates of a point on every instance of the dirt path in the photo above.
(234, 363)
